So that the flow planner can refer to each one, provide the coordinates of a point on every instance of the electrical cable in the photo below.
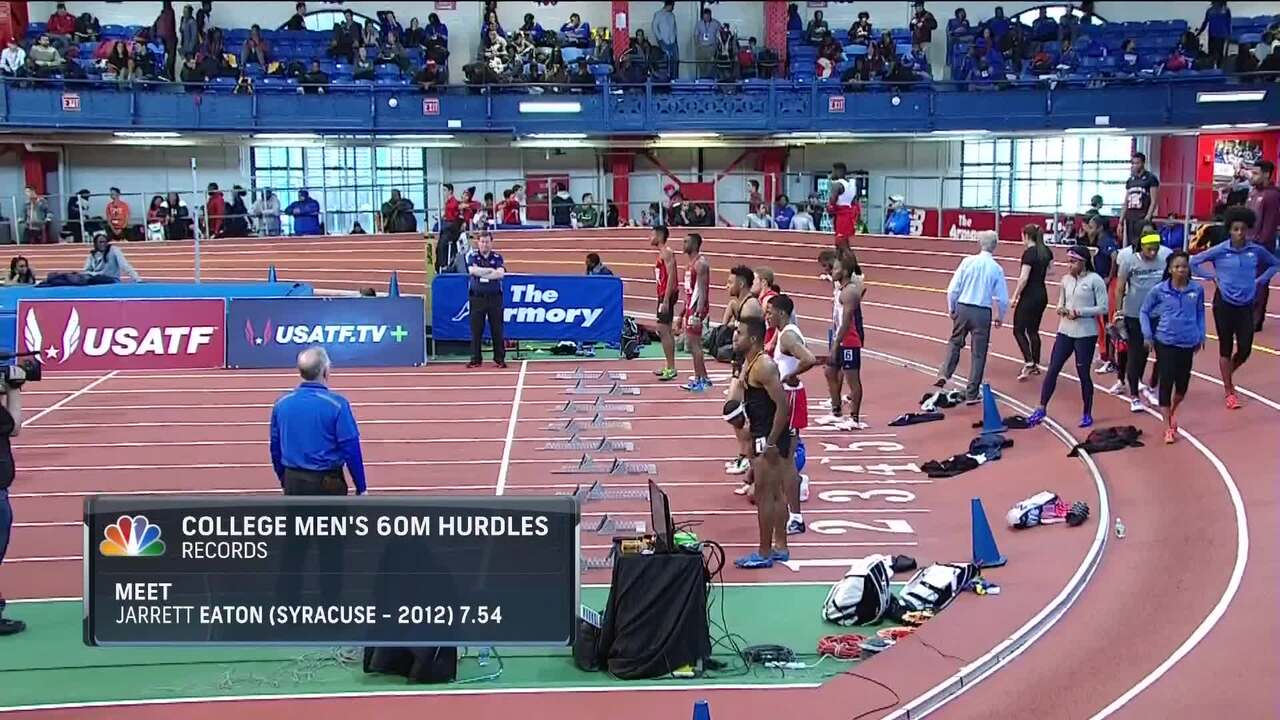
(897, 699)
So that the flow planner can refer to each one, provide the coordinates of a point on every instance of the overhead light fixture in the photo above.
(1217, 126)
(286, 136)
(1093, 130)
(550, 107)
(1232, 96)
(687, 135)
(1252, 126)
(553, 144)
(558, 136)
(416, 137)
(147, 135)
(960, 132)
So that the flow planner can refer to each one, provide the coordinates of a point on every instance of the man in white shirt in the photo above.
(664, 33)
(977, 281)
(759, 219)
(12, 58)
(802, 220)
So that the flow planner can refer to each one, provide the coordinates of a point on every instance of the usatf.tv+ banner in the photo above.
(580, 308)
(270, 332)
(124, 334)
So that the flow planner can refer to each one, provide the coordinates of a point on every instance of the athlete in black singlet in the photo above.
(768, 413)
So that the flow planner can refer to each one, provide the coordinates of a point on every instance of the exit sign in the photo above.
(431, 106)
(70, 102)
(835, 104)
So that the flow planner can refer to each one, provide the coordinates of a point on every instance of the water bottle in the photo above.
(1119, 528)
(484, 656)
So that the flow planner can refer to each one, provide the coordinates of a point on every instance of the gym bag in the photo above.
(862, 596)
(631, 338)
(934, 587)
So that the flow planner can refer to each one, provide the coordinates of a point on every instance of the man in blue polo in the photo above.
(485, 269)
(314, 434)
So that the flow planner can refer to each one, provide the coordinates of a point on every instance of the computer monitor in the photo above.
(664, 528)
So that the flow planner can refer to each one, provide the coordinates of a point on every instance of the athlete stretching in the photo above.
(668, 293)
(764, 403)
(844, 207)
(846, 347)
(793, 359)
(697, 306)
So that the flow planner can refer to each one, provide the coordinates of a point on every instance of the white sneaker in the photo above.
(741, 489)
(740, 467)
(849, 424)
(804, 487)
(829, 419)
(1105, 367)
(1135, 405)
(1151, 397)
(1117, 388)
(731, 463)
(824, 404)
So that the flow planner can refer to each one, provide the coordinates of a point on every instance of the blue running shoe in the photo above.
(753, 562)
(1086, 421)
(1036, 418)
(780, 555)
(696, 385)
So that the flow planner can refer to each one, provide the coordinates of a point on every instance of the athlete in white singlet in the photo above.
(793, 359)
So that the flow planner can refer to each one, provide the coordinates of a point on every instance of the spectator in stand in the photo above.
(255, 50)
(78, 221)
(393, 53)
(297, 22)
(20, 272)
(236, 223)
(435, 32)
(362, 68)
(1264, 201)
(491, 23)
(12, 59)
(958, 27)
(919, 60)
(347, 36)
(575, 33)
(357, 229)
(860, 31)
(665, 34)
(315, 80)
(511, 214)
(204, 18)
(215, 211)
(414, 36)
(1217, 20)
(706, 39)
(586, 214)
(521, 50)
(35, 218)
(61, 26)
(192, 75)
(817, 29)
(188, 34)
(1044, 28)
(429, 77)
(998, 25)
(1068, 58)
(371, 40)
(46, 58)
(142, 59)
(531, 28)
(117, 216)
(829, 55)
(165, 29)
(397, 215)
(561, 207)
(755, 201)
(795, 23)
(758, 218)
(390, 26)
(266, 212)
(1128, 62)
(923, 23)
(88, 29)
(157, 218)
(783, 213)
(305, 212)
(469, 206)
(107, 261)
(803, 220)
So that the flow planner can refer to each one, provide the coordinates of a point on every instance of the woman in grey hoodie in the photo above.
(106, 260)
(1083, 300)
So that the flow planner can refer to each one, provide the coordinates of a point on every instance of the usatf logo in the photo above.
(332, 334)
(253, 337)
(119, 341)
(131, 537)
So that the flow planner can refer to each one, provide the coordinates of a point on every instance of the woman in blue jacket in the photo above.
(1176, 307)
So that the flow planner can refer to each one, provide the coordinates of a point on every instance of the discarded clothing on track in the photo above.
(931, 401)
(913, 418)
(1013, 422)
(1107, 439)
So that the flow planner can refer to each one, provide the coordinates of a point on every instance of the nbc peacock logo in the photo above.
(131, 537)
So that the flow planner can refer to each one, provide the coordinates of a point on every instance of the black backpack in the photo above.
(631, 338)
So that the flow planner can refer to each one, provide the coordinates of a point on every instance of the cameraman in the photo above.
(10, 426)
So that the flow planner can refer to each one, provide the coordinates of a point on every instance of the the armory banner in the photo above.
(581, 308)
(349, 571)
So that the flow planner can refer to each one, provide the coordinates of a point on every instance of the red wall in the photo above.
(1189, 159)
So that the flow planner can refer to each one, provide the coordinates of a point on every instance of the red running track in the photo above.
(1184, 529)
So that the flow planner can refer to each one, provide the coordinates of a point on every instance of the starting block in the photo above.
(574, 426)
(579, 407)
(610, 525)
(600, 563)
(598, 491)
(588, 465)
(602, 444)
(613, 390)
(579, 374)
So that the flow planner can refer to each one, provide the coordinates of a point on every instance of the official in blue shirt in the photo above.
(977, 282)
(314, 434)
(1173, 325)
(1240, 267)
(484, 293)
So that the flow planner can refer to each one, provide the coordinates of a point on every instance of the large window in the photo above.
(1045, 174)
(351, 183)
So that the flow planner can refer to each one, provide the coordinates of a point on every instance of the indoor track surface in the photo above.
(1147, 624)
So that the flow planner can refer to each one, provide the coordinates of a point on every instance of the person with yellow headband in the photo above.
(1139, 270)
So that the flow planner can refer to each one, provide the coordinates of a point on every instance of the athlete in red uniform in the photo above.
(510, 208)
(793, 359)
(843, 206)
(665, 272)
(765, 288)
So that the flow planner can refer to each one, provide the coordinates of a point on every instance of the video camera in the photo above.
(24, 371)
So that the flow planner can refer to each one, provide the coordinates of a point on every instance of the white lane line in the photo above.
(69, 398)
(511, 430)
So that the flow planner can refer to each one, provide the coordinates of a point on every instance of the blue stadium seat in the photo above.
(113, 31)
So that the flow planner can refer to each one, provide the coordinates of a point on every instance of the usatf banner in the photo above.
(270, 332)
(580, 308)
(124, 334)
